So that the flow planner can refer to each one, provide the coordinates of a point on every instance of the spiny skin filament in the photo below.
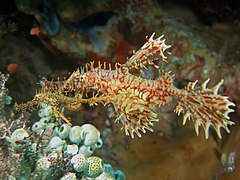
(134, 98)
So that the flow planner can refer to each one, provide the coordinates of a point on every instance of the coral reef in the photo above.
(49, 150)
(50, 38)
(5, 99)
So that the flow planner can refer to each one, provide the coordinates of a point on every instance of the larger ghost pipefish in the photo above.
(135, 98)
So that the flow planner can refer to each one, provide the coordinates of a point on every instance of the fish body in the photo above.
(135, 98)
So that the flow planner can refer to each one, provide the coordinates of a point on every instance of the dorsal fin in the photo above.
(152, 50)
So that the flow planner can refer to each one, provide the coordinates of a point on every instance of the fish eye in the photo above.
(82, 77)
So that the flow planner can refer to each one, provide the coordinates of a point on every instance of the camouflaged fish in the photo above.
(134, 98)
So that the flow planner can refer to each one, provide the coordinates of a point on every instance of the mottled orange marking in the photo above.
(122, 50)
(12, 68)
(35, 31)
(74, 35)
